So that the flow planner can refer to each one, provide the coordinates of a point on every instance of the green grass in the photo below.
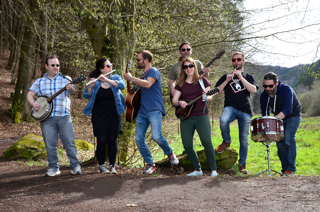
(307, 139)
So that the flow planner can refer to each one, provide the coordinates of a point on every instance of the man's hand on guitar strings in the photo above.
(36, 106)
(127, 76)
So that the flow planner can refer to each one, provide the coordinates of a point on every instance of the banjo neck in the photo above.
(81, 78)
(56, 94)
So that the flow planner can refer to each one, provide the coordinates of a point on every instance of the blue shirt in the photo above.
(118, 96)
(48, 87)
(151, 99)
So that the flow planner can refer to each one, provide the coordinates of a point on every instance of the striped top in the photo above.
(48, 87)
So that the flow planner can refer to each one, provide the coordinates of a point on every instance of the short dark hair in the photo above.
(185, 43)
(146, 55)
(271, 76)
(51, 57)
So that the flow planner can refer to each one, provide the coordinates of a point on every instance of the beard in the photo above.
(238, 67)
(272, 92)
(141, 65)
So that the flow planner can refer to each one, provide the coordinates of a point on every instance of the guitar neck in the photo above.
(212, 91)
(201, 72)
(56, 94)
(216, 57)
(194, 101)
(128, 86)
(128, 82)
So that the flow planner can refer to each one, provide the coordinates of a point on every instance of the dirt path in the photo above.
(25, 188)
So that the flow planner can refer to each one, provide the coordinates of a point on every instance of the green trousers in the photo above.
(203, 127)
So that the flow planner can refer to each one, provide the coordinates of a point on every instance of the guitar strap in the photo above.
(203, 88)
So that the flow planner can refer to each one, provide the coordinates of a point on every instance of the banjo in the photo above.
(46, 104)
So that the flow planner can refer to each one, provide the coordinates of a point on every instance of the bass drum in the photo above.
(267, 128)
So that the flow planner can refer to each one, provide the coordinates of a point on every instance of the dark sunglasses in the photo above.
(266, 86)
(188, 66)
(57, 65)
(109, 65)
(138, 60)
(238, 59)
(188, 49)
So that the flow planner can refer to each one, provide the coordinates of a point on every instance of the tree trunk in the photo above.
(44, 43)
(13, 43)
(1, 28)
(34, 75)
(20, 105)
(115, 38)
(19, 39)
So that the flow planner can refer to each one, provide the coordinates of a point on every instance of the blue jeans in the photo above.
(142, 123)
(63, 126)
(287, 150)
(229, 114)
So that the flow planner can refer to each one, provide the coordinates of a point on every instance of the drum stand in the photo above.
(268, 144)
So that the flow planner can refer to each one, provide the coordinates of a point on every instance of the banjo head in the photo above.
(45, 109)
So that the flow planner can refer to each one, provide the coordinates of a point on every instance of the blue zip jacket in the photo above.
(118, 96)
(285, 101)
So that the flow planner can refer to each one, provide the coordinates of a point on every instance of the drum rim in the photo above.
(267, 117)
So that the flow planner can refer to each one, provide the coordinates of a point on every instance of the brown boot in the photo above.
(224, 145)
(243, 169)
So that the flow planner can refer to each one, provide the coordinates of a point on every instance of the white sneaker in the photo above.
(113, 169)
(52, 172)
(173, 159)
(76, 170)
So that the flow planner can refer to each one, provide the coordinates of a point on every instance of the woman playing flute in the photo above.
(106, 104)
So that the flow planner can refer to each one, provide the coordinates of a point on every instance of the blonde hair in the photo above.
(238, 53)
(183, 75)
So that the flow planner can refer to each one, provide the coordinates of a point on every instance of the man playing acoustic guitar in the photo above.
(59, 121)
(151, 110)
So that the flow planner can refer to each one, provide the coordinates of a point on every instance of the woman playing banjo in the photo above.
(106, 104)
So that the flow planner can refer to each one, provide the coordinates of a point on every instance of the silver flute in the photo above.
(97, 78)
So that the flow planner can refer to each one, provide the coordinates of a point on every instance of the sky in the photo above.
(290, 46)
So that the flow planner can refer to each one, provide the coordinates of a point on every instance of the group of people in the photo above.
(107, 103)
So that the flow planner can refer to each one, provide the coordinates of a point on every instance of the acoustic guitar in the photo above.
(185, 113)
(46, 104)
(218, 55)
(132, 99)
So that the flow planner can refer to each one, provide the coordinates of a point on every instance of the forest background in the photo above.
(79, 32)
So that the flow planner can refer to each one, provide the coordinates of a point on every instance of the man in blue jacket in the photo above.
(282, 101)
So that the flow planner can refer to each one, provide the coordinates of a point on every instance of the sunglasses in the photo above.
(188, 66)
(109, 65)
(188, 49)
(238, 59)
(268, 86)
(57, 65)
(138, 60)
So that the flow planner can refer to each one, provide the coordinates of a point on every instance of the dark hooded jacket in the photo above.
(285, 101)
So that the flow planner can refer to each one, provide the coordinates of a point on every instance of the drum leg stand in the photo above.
(268, 144)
